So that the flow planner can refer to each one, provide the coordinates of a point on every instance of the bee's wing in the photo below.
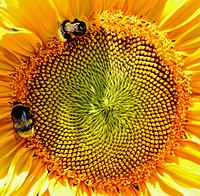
(16, 121)
(24, 117)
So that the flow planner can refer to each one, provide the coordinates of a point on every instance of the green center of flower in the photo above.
(105, 105)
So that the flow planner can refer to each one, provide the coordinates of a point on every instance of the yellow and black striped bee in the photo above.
(22, 121)
(70, 30)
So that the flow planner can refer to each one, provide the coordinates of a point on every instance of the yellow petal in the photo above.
(37, 178)
(58, 186)
(46, 193)
(140, 7)
(21, 43)
(143, 189)
(84, 190)
(5, 87)
(132, 191)
(195, 84)
(193, 113)
(5, 163)
(182, 176)
(189, 42)
(5, 107)
(6, 79)
(157, 186)
(6, 69)
(175, 34)
(190, 151)
(18, 170)
(8, 61)
(6, 126)
(178, 13)
(9, 145)
(117, 5)
(5, 97)
(99, 191)
(69, 10)
(156, 11)
(192, 62)
(38, 17)
(193, 128)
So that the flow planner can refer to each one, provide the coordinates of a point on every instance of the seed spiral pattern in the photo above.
(104, 106)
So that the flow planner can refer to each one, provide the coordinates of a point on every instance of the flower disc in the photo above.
(108, 105)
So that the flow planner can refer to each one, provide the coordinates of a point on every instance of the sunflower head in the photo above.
(101, 102)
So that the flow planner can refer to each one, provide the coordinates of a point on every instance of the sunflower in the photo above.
(99, 97)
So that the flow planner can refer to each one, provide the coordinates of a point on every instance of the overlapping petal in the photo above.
(38, 17)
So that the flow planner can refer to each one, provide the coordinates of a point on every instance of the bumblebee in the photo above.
(22, 121)
(70, 30)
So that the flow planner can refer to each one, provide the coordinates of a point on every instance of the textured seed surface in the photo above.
(104, 106)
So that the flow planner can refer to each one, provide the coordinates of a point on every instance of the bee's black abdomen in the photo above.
(18, 110)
